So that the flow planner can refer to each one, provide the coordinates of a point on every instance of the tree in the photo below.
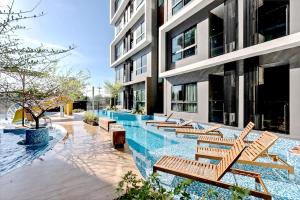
(113, 89)
(74, 84)
(28, 75)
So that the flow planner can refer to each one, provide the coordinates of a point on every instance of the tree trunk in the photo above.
(23, 100)
(37, 122)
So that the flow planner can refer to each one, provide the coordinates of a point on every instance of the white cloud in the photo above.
(3, 3)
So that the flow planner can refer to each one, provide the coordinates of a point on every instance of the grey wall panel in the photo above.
(295, 102)
(294, 16)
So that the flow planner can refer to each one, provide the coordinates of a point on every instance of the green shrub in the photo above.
(78, 110)
(91, 118)
(138, 189)
(139, 111)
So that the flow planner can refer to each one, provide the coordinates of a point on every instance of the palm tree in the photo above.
(113, 89)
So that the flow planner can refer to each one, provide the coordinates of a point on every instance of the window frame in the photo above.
(142, 68)
(119, 49)
(185, 48)
(184, 103)
(140, 37)
(138, 3)
(182, 2)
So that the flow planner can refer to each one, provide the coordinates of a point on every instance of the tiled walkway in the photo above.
(83, 166)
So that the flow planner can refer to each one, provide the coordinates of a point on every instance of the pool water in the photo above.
(148, 144)
(13, 155)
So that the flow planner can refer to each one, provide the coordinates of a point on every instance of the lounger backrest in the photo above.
(169, 117)
(186, 123)
(213, 128)
(230, 158)
(246, 130)
(259, 146)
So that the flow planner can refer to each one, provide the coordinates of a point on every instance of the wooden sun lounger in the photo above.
(159, 122)
(226, 141)
(166, 121)
(259, 148)
(186, 124)
(210, 173)
(211, 131)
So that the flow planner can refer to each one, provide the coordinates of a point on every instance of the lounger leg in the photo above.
(257, 185)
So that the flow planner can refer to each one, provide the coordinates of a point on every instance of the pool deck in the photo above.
(84, 165)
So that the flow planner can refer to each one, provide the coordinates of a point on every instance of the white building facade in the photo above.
(232, 61)
(133, 52)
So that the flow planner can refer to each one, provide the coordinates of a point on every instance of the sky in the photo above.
(84, 23)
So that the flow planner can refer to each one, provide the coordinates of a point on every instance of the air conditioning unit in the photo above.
(231, 118)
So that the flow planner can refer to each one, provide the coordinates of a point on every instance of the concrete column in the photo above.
(241, 18)
(241, 102)
(294, 16)
(166, 93)
(203, 92)
(202, 40)
(295, 102)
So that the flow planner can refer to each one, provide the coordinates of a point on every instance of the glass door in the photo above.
(267, 96)
(216, 98)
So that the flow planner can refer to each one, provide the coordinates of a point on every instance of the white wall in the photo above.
(295, 102)
(241, 102)
(202, 95)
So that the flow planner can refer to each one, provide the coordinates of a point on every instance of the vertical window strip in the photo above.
(141, 64)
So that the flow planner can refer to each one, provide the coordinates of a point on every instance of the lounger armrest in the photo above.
(254, 175)
(245, 173)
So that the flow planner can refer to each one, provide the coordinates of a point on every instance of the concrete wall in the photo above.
(202, 98)
(294, 16)
(202, 35)
(295, 102)
(199, 77)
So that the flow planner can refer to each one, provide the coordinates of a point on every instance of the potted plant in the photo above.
(91, 118)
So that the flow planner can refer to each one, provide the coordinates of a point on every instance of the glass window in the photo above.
(184, 98)
(141, 64)
(177, 93)
(139, 99)
(177, 46)
(138, 3)
(119, 50)
(178, 4)
(140, 32)
(184, 45)
(119, 26)
(117, 4)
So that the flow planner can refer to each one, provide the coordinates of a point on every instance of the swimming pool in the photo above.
(13, 155)
(148, 144)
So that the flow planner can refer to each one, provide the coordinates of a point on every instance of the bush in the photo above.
(133, 188)
(139, 111)
(91, 118)
(78, 110)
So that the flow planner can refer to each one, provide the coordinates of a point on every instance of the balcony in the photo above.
(136, 15)
(136, 48)
(115, 15)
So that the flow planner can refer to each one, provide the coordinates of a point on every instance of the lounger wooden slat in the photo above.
(166, 121)
(186, 124)
(226, 141)
(259, 148)
(211, 131)
(210, 173)
(159, 122)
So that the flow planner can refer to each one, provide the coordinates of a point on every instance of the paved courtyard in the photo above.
(84, 165)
